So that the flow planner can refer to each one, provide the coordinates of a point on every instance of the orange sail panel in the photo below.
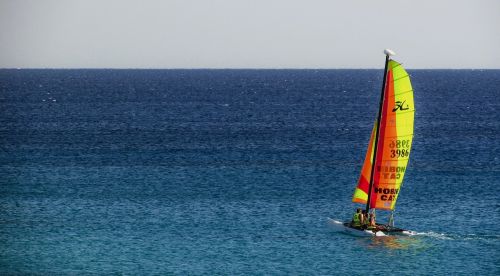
(361, 192)
(394, 143)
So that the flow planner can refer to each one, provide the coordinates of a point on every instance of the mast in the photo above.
(387, 53)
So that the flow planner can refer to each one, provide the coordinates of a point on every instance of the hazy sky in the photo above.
(248, 33)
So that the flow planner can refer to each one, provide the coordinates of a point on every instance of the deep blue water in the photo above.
(235, 172)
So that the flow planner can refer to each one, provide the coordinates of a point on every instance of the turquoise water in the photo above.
(236, 171)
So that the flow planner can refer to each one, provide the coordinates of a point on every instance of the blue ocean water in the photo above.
(236, 171)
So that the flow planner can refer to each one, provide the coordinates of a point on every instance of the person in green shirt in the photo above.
(357, 218)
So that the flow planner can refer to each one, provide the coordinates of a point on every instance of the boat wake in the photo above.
(458, 237)
(435, 235)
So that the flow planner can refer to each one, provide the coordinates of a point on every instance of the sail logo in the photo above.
(392, 172)
(399, 106)
(387, 194)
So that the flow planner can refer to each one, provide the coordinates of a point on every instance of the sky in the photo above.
(248, 33)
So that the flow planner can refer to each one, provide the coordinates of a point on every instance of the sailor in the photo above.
(371, 221)
(356, 218)
(364, 218)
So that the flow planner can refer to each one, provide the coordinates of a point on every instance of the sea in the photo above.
(236, 172)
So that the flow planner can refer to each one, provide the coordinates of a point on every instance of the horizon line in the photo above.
(228, 68)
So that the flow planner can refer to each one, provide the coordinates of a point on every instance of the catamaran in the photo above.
(388, 152)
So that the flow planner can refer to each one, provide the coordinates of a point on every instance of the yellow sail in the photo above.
(394, 143)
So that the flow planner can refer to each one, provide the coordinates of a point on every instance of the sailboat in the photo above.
(388, 152)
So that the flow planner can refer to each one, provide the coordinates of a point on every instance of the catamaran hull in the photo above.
(340, 226)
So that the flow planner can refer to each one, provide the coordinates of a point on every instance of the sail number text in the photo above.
(400, 148)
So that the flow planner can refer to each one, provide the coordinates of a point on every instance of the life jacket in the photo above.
(355, 220)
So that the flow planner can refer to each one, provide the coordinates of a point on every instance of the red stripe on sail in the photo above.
(363, 184)
(381, 138)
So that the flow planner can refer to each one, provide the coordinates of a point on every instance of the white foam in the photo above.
(443, 236)
(434, 235)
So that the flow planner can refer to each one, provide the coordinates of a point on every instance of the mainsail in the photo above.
(393, 144)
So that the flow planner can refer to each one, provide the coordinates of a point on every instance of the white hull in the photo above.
(340, 227)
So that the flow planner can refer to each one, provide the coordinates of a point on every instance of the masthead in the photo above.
(389, 52)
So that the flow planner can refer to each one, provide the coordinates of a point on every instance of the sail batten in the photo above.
(394, 143)
(400, 136)
(401, 93)
(400, 78)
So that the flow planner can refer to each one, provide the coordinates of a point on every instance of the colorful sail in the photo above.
(394, 143)
(361, 191)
